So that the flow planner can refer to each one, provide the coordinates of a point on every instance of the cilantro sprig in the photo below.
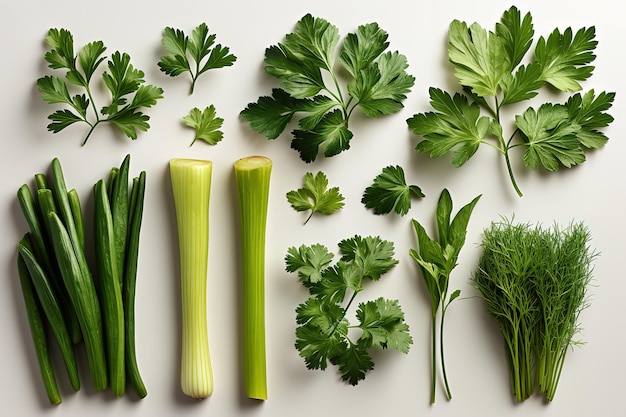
(206, 125)
(195, 55)
(390, 192)
(323, 334)
(316, 196)
(310, 86)
(125, 83)
(488, 66)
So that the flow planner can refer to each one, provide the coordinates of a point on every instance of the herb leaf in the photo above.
(206, 124)
(316, 196)
(310, 86)
(195, 55)
(389, 191)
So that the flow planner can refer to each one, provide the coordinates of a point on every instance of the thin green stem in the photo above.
(433, 382)
(345, 311)
(443, 362)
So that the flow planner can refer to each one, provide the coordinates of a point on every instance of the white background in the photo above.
(592, 382)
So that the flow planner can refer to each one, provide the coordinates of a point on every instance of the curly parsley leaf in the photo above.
(488, 68)
(316, 196)
(310, 85)
(323, 334)
(196, 54)
(206, 124)
(125, 83)
(389, 191)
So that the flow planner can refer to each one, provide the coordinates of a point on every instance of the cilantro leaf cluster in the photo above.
(196, 54)
(305, 64)
(390, 192)
(488, 66)
(125, 84)
(323, 334)
(316, 196)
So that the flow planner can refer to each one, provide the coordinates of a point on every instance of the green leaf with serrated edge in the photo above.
(564, 57)
(206, 124)
(522, 85)
(456, 126)
(316, 196)
(316, 312)
(479, 57)
(389, 191)
(550, 138)
(129, 122)
(331, 136)
(62, 119)
(382, 87)
(316, 347)
(270, 115)
(300, 79)
(373, 255)
(359, 50)
(90, 57)
(354, 362)
(589, 112)
(308, 261)
(316, 108)
(313, 40)
(517, 34)
(335, 282)
(382, 324)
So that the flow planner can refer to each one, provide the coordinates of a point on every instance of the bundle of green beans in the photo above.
(61, 294)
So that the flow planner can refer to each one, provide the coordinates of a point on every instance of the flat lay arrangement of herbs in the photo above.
(533, 280)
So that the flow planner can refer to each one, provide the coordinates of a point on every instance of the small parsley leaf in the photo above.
(206, 124)
(316, 196)
(389, 191)
(196, 54)
(323, 334)
(125, 83)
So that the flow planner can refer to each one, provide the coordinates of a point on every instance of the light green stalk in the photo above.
(253, 179)
(191, 185)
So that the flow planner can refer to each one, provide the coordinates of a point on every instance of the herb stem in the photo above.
(433, 383)
(443, 362)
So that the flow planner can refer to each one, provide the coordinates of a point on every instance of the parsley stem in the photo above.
(433, 329)
(345, 311)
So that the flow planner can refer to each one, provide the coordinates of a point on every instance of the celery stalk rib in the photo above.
(253, 179)
(191, 185)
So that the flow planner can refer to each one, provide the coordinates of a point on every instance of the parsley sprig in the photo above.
(488, 66)
(126, 86)
(323, 333)
(310, 85)
(315, 196)
(195, 55)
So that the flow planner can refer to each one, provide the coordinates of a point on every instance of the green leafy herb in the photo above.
(206, 124)
(390, 191)
(323, 334)
(310, 85)
(488, 67)
(436, 259)
(534, 282)
(125, 83)
(316, 196)
(194, 55)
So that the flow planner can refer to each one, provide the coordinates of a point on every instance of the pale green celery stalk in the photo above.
(252, 175)
(191, 186)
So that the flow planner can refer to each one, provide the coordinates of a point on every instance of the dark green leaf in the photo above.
(360, 49)
(389, 191)
(331, 136)
(269, 116)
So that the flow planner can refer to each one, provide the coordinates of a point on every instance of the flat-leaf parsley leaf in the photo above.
(316, 196)
(389, 191)
(206, 124)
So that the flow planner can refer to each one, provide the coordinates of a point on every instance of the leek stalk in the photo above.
(191, 186)
(252, 175)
